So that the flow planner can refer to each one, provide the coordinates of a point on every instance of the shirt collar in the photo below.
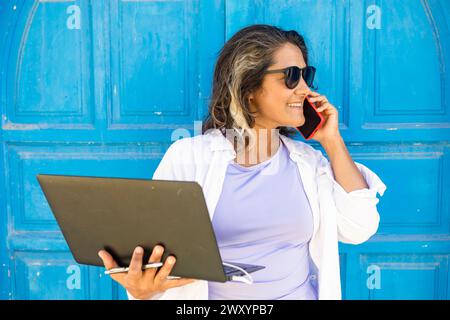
(220, 143)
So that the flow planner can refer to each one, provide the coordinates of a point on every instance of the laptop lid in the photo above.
(118, 214)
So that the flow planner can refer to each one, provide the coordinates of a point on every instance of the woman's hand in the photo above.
(145, 284)
(330, 129)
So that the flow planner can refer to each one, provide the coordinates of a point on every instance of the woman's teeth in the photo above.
(295, 105)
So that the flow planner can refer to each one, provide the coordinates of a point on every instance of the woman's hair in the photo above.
(239, 71)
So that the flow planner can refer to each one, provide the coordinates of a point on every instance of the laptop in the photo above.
(118, 214)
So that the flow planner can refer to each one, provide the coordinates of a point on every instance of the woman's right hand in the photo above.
(145, 284)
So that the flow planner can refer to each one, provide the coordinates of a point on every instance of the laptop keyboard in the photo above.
(230, 270)
(233, 271)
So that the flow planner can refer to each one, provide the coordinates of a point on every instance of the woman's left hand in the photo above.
(330, 128)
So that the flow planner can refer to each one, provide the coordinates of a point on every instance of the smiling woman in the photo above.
(285, 211)
(243, 96)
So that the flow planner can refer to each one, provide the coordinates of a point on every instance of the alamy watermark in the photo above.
(73, 281)
(374, 278)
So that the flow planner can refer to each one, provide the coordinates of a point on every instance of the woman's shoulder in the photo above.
(303, 149)
(190, 150)
(191, 144)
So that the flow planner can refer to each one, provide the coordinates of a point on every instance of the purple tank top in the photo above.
(263, 217)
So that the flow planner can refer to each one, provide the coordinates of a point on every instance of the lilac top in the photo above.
(263, 217)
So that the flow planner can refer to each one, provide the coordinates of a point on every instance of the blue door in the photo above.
(102, 88)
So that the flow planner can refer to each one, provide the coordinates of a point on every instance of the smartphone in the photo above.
(313, 120)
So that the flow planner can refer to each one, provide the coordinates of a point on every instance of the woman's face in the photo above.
(272, 99)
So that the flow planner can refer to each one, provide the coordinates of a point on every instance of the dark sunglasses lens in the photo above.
(308, 75)
(292, 77)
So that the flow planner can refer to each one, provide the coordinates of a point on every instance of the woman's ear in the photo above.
(251, 99)
(251, 103)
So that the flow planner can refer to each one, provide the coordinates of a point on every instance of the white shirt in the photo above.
(349, 217)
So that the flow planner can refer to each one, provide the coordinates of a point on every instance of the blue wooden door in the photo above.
(102, 88)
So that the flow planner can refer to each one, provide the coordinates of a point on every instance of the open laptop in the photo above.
(118, 214)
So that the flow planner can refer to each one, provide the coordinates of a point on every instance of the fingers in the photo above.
(107, 259)
(321, 103)
(327, 106)
(156, 256)
(322, 107)
(135, 269)
(319, 98)
(165, 270)
(313, 94)
(110, 263)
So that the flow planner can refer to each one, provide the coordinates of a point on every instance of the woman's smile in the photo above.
(297, 106)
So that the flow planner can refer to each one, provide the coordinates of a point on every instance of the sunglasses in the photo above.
(294, 73)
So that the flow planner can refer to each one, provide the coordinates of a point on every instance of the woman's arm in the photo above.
(357, 214)
(344, 168)
(354, 186)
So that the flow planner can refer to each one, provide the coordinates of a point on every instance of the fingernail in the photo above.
(158, 249)
(138, 250)
(99, 254)
(171, 260)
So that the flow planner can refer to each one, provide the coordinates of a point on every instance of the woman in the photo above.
(273, 200)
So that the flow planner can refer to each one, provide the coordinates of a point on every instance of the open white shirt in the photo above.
(349, 217)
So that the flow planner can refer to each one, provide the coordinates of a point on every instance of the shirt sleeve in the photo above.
(167, 167)
(178, 162)
(357, 215)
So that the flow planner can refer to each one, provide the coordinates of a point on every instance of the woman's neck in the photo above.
(266, 145)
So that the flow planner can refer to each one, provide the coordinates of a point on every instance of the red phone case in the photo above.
(322, 120)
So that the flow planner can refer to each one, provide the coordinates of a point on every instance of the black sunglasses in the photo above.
(294, 73)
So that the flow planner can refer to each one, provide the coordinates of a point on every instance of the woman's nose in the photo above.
(302, 87)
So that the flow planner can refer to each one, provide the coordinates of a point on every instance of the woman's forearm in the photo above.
(346, 173)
